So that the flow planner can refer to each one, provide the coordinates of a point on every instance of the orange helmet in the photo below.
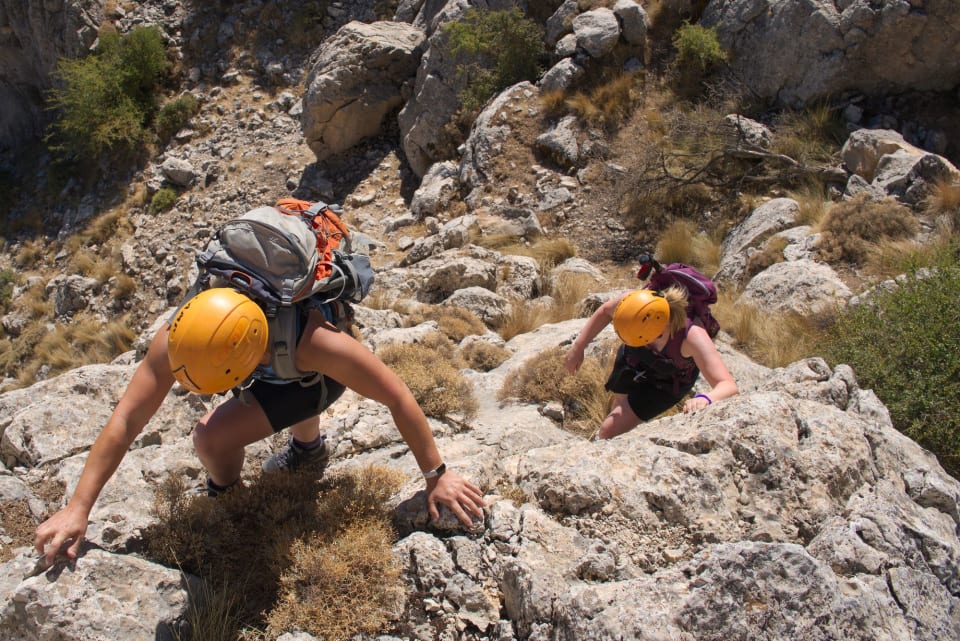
(640, 317)
(216, 340)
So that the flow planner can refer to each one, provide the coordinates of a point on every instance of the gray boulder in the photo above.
(359, 77)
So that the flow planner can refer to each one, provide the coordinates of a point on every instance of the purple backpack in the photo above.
(701, 291)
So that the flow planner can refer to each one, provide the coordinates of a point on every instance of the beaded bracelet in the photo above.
(709, 400)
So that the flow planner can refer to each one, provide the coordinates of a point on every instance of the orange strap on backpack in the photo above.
(329, 228)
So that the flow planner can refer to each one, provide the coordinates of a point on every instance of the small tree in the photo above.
(697, 46)
(698, 55)
(106, 99)
(494, 50)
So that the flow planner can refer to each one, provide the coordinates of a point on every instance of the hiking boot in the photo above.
(294, 457)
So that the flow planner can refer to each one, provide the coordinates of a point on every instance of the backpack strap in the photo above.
(283, 332)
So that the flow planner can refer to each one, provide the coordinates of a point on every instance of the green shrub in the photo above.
(174, 115)
(107, 98)
(163, 200)
(8, 278)
(494, 50)
(698, 55)
(903, 344)
(698, 47)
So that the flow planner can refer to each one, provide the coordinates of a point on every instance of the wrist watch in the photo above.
(435, 472)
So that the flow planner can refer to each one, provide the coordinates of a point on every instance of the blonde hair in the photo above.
(677, 300)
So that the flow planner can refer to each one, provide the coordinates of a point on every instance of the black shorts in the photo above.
(647, 395)
(648, 402)
(289, 403)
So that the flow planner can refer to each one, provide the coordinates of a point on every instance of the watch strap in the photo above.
(435, 472)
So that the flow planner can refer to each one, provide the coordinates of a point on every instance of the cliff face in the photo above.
(33, 36)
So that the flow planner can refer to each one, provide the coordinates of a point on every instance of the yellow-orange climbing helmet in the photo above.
(640, 317)
(216, 340)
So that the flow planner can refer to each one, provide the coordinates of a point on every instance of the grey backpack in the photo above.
(280, 256)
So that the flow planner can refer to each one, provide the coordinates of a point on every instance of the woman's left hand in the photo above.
(461, 496)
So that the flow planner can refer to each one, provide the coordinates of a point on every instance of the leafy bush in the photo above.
(106, 99)
(903, 344)
(163, 200)
(174, 115)
(852, 228)
(494, 50)
(698, 48)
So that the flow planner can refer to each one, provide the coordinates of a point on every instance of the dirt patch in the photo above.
(17, 523)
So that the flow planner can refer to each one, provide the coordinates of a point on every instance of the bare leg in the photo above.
(221, 436)
(307, 430)
(620, 419)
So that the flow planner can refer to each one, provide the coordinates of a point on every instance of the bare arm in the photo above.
(600, 319)
(700, 346)
(143, 396)
(339, 356)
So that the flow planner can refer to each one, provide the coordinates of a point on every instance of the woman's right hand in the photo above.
(67, 525)
(573, 360)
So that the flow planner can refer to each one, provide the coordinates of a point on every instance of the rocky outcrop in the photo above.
(33, 36)
(883, 164)
(360, 76)
(792, 510)
(798, 52)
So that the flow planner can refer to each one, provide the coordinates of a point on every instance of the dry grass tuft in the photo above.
(608, 104)
(456, 323)
(567, 291)
(524, 317)
(548, 252)
(337, 589)
(813, 201)
(29, 256)
(86, 340)
(554, 103)
(682, 242)
(483, 357)
(810, 136)
(944, 200)
(431, 371)
(512, 493)
(852, 229)
(247, 544)
(544, 379)
(773, 340)
(771, 254)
